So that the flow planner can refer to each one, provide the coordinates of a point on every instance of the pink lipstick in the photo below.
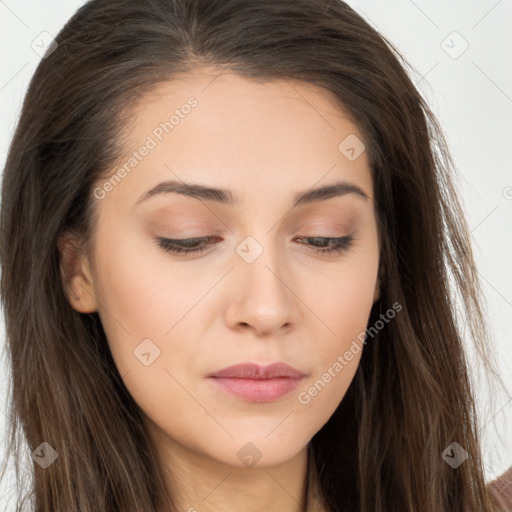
(254, 383)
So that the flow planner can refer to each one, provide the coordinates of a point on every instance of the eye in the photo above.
(186, 245)
(322, 245)
(334, 245)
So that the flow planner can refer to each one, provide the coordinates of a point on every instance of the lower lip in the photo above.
(257, 390)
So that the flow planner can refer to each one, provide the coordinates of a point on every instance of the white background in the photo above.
(471, 95)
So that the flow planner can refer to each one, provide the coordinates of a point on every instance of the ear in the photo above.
(76, 274)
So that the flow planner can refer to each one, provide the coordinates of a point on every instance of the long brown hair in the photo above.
(412, 395)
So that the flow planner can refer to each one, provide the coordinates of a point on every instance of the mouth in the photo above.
(254, 383)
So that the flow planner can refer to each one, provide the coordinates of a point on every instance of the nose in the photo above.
(262, 297)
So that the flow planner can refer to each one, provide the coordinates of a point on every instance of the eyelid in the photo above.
(335, 245)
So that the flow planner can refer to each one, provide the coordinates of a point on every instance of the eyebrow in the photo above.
(225, 196)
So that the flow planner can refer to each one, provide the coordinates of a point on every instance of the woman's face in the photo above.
(259, 292)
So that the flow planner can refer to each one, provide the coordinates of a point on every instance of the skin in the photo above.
(204, 312)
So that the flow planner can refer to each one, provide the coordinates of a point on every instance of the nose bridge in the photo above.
(260, 266)
(263, 296)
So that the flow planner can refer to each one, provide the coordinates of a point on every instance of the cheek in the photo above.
(135, 303)
(338, 351)
(343, 296)
(342, 304)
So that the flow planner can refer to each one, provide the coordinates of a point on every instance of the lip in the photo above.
(254, 383)
(256, 371)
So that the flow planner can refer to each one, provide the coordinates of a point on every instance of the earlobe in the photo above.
(76, 275)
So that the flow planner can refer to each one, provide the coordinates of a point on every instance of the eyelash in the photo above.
(340, 245)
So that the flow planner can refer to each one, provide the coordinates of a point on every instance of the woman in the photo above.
(182, 172)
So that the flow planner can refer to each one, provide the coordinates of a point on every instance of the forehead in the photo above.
(222, 129)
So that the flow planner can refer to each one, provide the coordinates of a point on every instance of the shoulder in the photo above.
(501, 487)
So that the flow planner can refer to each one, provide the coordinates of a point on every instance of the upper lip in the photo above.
(256, 371)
